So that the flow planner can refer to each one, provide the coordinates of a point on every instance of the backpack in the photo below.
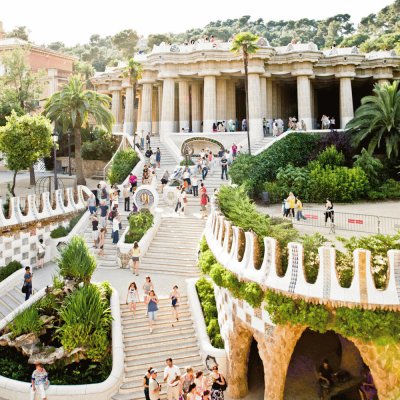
(103, 193)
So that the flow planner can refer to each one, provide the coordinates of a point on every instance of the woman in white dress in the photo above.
(132, 297)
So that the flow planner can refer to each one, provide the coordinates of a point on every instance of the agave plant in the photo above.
(76, 262)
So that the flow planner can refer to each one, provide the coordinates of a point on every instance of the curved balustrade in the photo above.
(326, 288)
(62, 202)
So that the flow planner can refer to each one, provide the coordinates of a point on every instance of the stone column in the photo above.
(145, 115)
(116, 107)
(154, 112)
(263, 88)
(346, 101)
(210, 103)
(168, 107)
(231, 100)
(184, 105)
(160, 99)
(221, 100)
(196, 107)
(255, 120)
(269, 99)
(274, 106)
(129, 110)
(304, 100)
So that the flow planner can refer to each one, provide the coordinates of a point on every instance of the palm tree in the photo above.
(133, 71)
(73, 105)
(245, 43)
(378, 119)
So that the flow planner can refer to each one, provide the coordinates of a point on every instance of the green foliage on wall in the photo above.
(9, 269)
(122, 164)
(139, 224)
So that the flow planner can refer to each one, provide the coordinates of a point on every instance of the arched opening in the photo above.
(255, 373)
(311, 349)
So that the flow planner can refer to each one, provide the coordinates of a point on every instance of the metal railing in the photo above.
(350, 222)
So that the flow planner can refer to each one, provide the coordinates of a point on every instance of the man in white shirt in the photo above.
(154, 387)
(172, 376)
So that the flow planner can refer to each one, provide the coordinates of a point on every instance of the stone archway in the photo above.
(199, 143)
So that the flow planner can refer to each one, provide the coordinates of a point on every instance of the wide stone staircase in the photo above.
(167, 158)
(256, 147)
(144, 350)
(11, 299)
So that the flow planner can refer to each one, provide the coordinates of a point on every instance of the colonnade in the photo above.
(176, 104)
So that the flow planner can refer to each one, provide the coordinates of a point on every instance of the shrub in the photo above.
(203, 244)
(86, 322)
(102, 148)
(186, 163)
(253, 294)
(242, 170)
(26, 321)
(139, 224)
(370, 165)
(331, 157)
(340, 140)
(292, 179)
(311, 244)
(9, 269)
(276, 194)
(205, 292)
(122, 164)
(206, 261)
(76, 262)
(59, 232)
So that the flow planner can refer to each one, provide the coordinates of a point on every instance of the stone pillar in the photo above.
(168, 107)
(269, 99)
(346, 101)
(263, 89)
(221, 99)
(231, 100)
(176, 111)
(139, 109)
(196, 107)
(160, 99)
(154, 112)
(145, 115)
(116, 107)
(210, 103)
(304, 100)
(255, 120)
(184, 105)
(274, 100)
(129, 110)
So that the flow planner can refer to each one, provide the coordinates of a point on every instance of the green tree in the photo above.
(86, 70)
(72, 106)
(156, 39)
(19, 32)
(24, 140)
(377, 120)
(126, 41)
(246, 44)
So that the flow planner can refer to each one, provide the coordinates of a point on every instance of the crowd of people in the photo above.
(190, 385)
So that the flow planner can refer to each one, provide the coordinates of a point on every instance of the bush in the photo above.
(62, 231)
(27, 321)
(371, 166)
(9, 269)
(186, 163)
(292, 179)
(340, 140)
(203, 244)
(102, 148)
(275, 192)
(253, 294)
(205, 292)
(206, 261)
(86, 322)
(139, 224)
(311, 244)
(122, 164)
(388, 190)
(76, 262)
(331, 157)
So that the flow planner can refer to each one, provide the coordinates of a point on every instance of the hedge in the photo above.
(122, 164)
(9, 269)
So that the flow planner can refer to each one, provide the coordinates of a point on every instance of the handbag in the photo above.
(120, 225)
(24, 289)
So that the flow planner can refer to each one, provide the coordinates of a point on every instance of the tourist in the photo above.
(367, 389)
(126, 196)
(153, 161)
(201, 383)
(299, 210)
(192, 393)
(203, 201)
(329, 212)
(91, 203)
(218, 384)
(116, 226)
(102, 239)
(132, 181)
(172, 376)
(195, 186)
(204, 168)
(206, 395)
(264, 126)
(187, 380)
(146, 175)
(332, 124)
(103, 214)
(146, 383)
(98, 194)
(303, 126)
(158, 157)
(95, 229)
(164, 180)
(175, 297)
(39, 381)
(154, 386)
(291, 202)
(183, 201)
(135, 257)
(152, 308)
(244, 124)
(132, 297)
(224, 167)
(27, 285)
(147, 286)
(186, 176)
(234, 151)
(325, 380)
(148, 154)
(178, 201)
(279, 122)
(214, 127)
(210, 160)
(142, 139)
(275, 130)
(148, 140)
(40, 253)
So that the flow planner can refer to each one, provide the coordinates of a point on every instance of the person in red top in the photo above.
(203, 201)
(234, 151)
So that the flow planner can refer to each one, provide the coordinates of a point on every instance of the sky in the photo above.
(74, 21)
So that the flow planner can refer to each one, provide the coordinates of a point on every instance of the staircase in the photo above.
(257, 147)
(144, 350)
(167, 159)
(13, 298)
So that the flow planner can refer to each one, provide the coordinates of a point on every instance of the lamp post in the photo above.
(55, 140)
(69, 153)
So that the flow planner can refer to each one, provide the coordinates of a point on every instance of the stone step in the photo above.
(141, 310)
(184, 271)
(173, 340)
(158, 351)
(11, 301)
(168, 251)
(142, 328)
(140, 320)
(163, 302)
(5, 309)
(161, 261)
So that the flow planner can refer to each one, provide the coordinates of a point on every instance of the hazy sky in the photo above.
(73, 21)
